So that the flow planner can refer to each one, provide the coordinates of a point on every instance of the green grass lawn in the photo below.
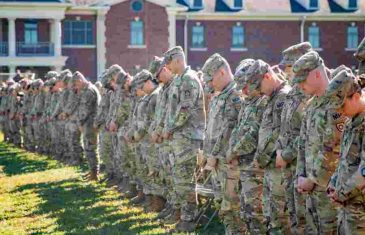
(41, 196)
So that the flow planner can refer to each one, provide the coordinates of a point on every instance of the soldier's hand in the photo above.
(167, 135)
(305, 184)
(154, 137)
(360, 180)
(279, 161)
(113, 127)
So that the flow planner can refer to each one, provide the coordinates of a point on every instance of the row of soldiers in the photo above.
(280, 145)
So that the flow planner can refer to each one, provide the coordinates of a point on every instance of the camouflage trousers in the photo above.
(105, 150)
(28, 135)
(274, 201)
(38, 128)
(57, 133)
(90, 145)
(229, 177)
(251, 200)
(124, 156)
(73, 138)
(351, 218)
(321, 213)
(163, 152)
(14, 135)
(183, 163)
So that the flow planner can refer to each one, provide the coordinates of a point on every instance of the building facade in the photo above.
(90, 35)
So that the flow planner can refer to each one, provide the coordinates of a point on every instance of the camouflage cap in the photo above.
(255, 74)
(50, 82)
(337, 70)
(293, 53)
(115, 68)
(38, 83)
(304, 65)
(343, 85)
(141, 77)
(122, 77)
(211, 65)
(360, 56)
(77, 75)
(156, 65)
(241, 70)
(51, 74)
(65, 76)
(172, 53)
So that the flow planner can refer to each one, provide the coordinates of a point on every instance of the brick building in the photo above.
(89, 35)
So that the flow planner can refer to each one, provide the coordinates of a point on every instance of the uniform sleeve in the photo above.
(301, 168)
(88, 105)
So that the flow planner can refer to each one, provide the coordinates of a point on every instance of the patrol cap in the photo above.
(293, 53)
(337, 70)
(360, 56)
(65, 76)
(77, 75)
(115, 68)
(211, 65)
(38, 83)
(305, 64)
(241, 70)
(50, 82)
(172, 53)
(343, 85)
(51, 74)
(255, 74)
(141, 77)
(156, 66)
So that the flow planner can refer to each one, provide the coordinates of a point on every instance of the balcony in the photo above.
(35, 49)
(3, 48)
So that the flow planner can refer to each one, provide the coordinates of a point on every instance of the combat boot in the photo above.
(157, 203)
(173, 217)
(147, 203)
(94, 175)
(132, 192)
(165, 212)
(139, 199)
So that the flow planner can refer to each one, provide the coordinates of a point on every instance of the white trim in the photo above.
(33, 61)
(137, 46)
(233, 49)
(198, 49)
(350, 49)
(171, 18)
(79, 46)
(33, 12)
(100, 41)
(157, 2)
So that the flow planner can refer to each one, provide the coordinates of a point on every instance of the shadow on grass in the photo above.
(17, 161)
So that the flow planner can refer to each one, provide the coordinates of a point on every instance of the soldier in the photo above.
(263, 79)
(164, 76)
(36, 113)
(100, 124)
(223, 112)
(46, 136)
(89, 100)
(242, 146)
(320, 134)
(185, 127)
(14, 111)
(347, 95)
(286, 146)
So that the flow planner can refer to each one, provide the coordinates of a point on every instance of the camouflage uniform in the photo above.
(89, 100)
(291, 119)
(15, 105)
(44, 120)
(27, 121)
(319, 138)
(242, 146)
(186, 123)
(223, 113)
(273, 190)
(351, 216)
(36, 113)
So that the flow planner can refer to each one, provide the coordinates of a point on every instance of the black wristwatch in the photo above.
(363, 171)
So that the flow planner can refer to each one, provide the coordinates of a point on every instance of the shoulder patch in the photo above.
(280, 104)
(236, 100)
(336, 116)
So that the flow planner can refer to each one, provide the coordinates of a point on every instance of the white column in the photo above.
(100, 41)
(56, 37)
(171, 17)
(11, 37)
(11, 71)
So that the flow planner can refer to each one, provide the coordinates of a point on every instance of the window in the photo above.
(352, 37)
(238, 3)
(137, 6)
(195, 4)
(77, 32)
(31, 32)
(313, 36)
(198, 39)
(313, 4)
(352, 4)
(238, 36)
(137, 37)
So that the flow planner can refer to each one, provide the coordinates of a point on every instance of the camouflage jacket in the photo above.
(38, 105)
(61, 104)
(351, 160)
(223, 112)
(270, 126)
(291, 119)
(186, 116)
(89, 101)
(53, 104)
(244, 138)
(73, 102)
(103, 109)
(318, 145)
